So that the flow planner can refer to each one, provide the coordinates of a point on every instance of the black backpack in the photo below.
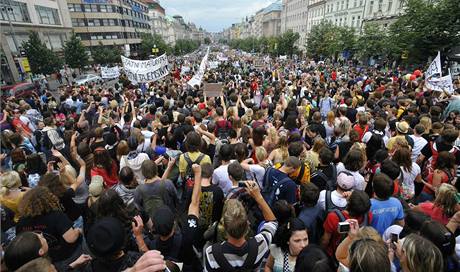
(331, 182)
(374, 144)
(269, 189)
(249, 262)
(189, 176)
(329, 205)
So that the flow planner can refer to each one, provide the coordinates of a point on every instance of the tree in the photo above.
(207, 40)
(320, 41)
(185, 46)
(371, 43)
(286, 43)
(106, 55)
(150, 41)
(41, 59)
(75, 53)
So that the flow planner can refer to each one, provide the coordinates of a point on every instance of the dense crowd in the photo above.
(296, 166)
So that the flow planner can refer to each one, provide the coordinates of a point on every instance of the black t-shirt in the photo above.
(351, 114)
(440, 146)
(344, 147)
(126, 261)
(320, 182)
(53, 225)
(71, 209)
(211, 203)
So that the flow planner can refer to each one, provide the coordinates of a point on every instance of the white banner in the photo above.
(139, 71)
(184, 69)
(434, 68)
(441, 84)
(196, 79)
(110, 72)
(213, 64)
(283, 57)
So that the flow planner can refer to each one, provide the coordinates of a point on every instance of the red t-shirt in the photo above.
(334, 75)
(444, 179)
(109, 180)
(330, 226)
(434, 212)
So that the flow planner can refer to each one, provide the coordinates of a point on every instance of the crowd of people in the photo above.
(296, 166)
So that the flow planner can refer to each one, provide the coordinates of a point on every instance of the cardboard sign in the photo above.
(213, 89)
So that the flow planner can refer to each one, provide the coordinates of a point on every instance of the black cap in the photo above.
(163, 221)
(106, 237)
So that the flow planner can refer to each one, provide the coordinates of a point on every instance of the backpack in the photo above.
(374, 144)
(430, 164)
(189, 176)
(331, 183)
(248, 264)
(329, 205)
(45, 142)
(222, 131)
(151, 203)
(269, 191)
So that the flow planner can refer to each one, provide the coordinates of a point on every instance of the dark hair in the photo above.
(22, 249)
(149, 169)
(258, 135)
(326, 156)
(354, 160)
(53, 182)
(241, 151)
(449, 135)
(383, 186)
(295, 149)
(402, 157)
(413, 221)
(206, 170)
(35, 164)
(314, 258)
(291, 122)
(235, 171)
(446, 160)
(380, 124)
(358, 203)
(110, 204)
(440, 236)
(193, 142)
(226, 152)
(126, 175)
(283, 211)
(102, 158)
(390, 168)
(285, 231)
(309, 194)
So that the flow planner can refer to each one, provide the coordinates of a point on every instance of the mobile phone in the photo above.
(394, 239)
(166, 156)
(343, 227)
(241, 184)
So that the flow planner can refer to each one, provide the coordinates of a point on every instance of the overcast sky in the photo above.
(213, 15)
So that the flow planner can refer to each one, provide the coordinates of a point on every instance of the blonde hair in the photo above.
(272, 135)
(331, 117)
(369, 233)
(426, 122)
(318, 144)
(446, 199)
(261, 153)
(9, 180)
(235, 219)
(422, 254)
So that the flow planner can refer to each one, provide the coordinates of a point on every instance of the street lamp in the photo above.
(155, 50)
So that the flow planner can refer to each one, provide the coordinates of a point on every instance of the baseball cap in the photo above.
(163, 221)
(345, 181)
(106, 237)
(402, 127)
(96, 186)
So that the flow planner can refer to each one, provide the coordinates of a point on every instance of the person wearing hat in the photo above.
(173, 245)
(402, 134)
(358, 208)
(134, 159)
(337, 199)
(95, 189)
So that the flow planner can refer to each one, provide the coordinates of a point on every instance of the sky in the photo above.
(213, 15)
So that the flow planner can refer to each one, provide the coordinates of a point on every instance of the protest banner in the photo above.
(140, 71)
(213, 64)
(213, 89)
(435, 67)
(441, 84)
(110, 72)
(196, 79)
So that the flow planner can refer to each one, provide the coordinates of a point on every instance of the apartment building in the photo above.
(347, 13)
(382, 12)
(295, 17)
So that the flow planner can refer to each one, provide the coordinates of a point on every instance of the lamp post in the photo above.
(155, 50)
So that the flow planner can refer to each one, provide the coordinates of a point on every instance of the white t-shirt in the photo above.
(367, 136)
(336, 198)
(258, 172)
(220, 178)
(408, 186)
(419, 144)
(360, 183)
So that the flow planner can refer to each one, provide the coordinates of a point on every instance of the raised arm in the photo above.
(222, 101)
(253, 190)
(171, 164)
(194, 208)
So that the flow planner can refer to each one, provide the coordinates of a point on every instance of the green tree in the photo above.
(207, 40)
(371, 43)
(150, 41)
(320, 41)
(42, 60)
(424, 28)
(286, 43)
(185, 46)
(75, 53)
(106, 55)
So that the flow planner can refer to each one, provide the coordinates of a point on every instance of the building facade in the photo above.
(382, 12)
(348, 13)
(271, 20)
(294, 16)
(110, 22)
(49, 18)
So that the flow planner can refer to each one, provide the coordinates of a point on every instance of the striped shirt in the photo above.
(237, 255)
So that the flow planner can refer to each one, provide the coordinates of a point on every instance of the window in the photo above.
(14, 11)
(353, 21)
(47, 16)
(71, 7)
(347, 3)
(371, 7)
(355, 3)
(360, 3)
(390, 3)
(103, 8)
(77, 8)
(342, 5)
(380, 5)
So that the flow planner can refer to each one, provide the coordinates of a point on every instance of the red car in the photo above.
(19, 90)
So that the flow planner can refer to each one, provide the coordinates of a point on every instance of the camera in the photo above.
(343, 227)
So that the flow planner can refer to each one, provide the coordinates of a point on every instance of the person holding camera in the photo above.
(335, 225)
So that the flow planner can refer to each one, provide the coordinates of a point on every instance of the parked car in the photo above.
(88, 79)
(19, 90)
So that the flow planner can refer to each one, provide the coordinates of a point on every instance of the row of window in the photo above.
(107, 8)
(17, 12)
(108, 22)
(380, 6)
(109, 36)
